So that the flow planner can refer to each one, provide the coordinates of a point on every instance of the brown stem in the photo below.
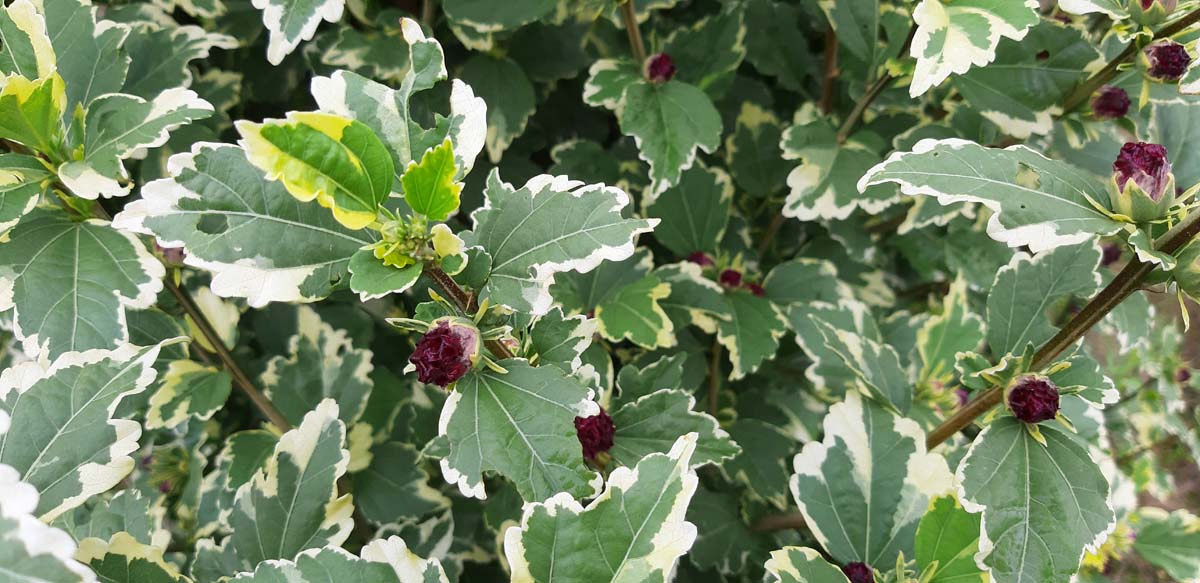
(1084, 91)
(428, 12)
(872, 92)
(774, 522)
(629, 15)
(829, 83)
(1125, 283)
(465, 302)
(714, 378)
(769, 235)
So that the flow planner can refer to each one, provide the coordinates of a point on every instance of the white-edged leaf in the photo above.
(395, 485)
(653, 422)
(89, 54)
(188, 389)
(694, 212)
(751, 333)
(291, 21)
(943, 336)
(122, 559)
(952, 37)
(27, 51)
(33, 551)
(1170, 541)
(802, 565)
(825, 184)
(23, 180)
(669, 122)
(384, 560)
(881, 376)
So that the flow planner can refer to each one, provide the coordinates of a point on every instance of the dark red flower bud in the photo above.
(756, 289)
(1110, 103)
(1183, 375)
(1110, 253)
(1033, 399)
(1146, 165)
(859, 573)
(700, 258)
(660, 68)
(963, 396)
(446, 353)
(730, 278)
(595, 433)
(1166, 60)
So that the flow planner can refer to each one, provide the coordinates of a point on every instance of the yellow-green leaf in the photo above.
(337, 161)
(429, 187)
(31, 111)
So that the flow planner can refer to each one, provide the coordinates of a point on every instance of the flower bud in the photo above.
(1142, 186)
(1165, 61)
(700, 258)
(859, 573)
(1033, 399)
(1110, 103)
(1110, 253)
(756, 289)
(446, 352)
(1183, 375)
(730, 278)
(595, 433)
(1151, 12)
(660, 68)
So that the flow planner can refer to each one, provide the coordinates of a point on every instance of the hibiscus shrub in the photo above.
(561, 291)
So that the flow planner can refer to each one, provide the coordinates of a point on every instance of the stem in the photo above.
(714, 377)
(1083, 91)
(771, 523)
(265, 406)
(769, 236)
(872, 92)
(629, 15)
(828, 84)
(1122, 286)
(465, 302)
(428, 12)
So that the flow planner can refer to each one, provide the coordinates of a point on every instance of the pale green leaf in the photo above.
(429, 187)
(952, 37)
(633, 313)
(371, 278)
(31, 112)
(947, 540)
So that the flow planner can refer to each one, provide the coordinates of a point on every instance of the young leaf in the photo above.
(634, 531)
(946, 543)
(876, 365)
(383, 560)
(802, 565)
(27, 51)
(865, 486)
(550, 225)
(669, 121)
(521, 425)
(429, 187)
(1035, 201)
(1043, 506)
(258, 241)
(23, 180)
(119, 125)
(31, 112)
(953, 36)
(337, 161)
(69, 282)
(694, 212)
(652, 423)
(188, 390)
(372, 279)
(291, 21)
(63, 438)
(33, 551)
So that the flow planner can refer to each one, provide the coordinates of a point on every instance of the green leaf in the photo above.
(560, 340)
(724, 541)
(876, 365)
(762, 465)
(162, 55)
(1026, 288)
(395, 485)
(387, 111)
(188, 390)
(1021, 91)
(129, 511)
(429, 187)
(947, 540)
(805, 280)
(653, 422)
(707, 52)
(607, 81)
(258, 241)
(31, 550)
(521, 425)
(380, 561)
(378, 54)
(943, 336)
(63, 439)
(243, 454)
(291, 21)
(372, 279)
(827, 368)
(118, 126)
(693, 213)
(122, 559)
(753, 154)
(488, 16)
(31, 112)
(292, 504)
(509, 95)
(1035, 201)
(550, 225)
(953, 36)
(633, 313)
(1170, 542)
(752, 332)
(669, 121)
(694, 298)
(338, 161)
(635, 382)
(634, 531)
(70, 282)
(27, 51)
(777, 24)
(865, 486)
(825, 184)
(1043, 506)
(23, 181)
(321, 364)
(802, 565)
(90, 57)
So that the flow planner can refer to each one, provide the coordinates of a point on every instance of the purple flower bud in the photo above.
(660, 68)
(1166, 60)
(756, 289)
(730, 278)
(595, 433)
(447, 351)
(1110, 103)
(1033, 399)
(1110, 253)
(859, 573)
(1146, 165)
(1183, 375)
(700, 258)
(963, 396)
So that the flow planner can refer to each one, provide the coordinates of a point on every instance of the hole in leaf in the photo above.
(213, 224)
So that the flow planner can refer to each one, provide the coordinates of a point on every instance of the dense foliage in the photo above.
(818, 291)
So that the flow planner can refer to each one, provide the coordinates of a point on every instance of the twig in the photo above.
(428, 12)
(714, 378)
(1122, 286)
(829, 82)
(1083, 91)
(771, 523)
(629, 15)
(872, 92)
(465, 302)
(769, 235)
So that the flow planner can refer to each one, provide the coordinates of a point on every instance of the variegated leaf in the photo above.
(33, 551)
(384, 560)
